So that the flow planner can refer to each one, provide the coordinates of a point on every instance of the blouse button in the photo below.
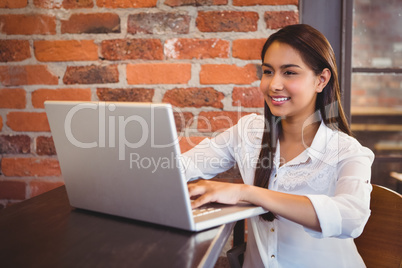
(272, 256)
(272, 230)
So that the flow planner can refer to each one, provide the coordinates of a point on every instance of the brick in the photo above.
(67, 4)
(49, 4)
(228, 74)
(27, 24)
(183, 120)
(227, 21)
(12, 98)
(14, 50)
(358, 92)
(38, 187)
(91, 23)
(23, 167)
(66, 50)
(132, 49)
(39, 96)
(280, 19)
(247, 97)
(126, 3)
(28, 121)
(125, 94)
(158, 23)
(15, 144)
(186, 143)
(264, 2)
(388, 102)
(187, 48)
(92, 74)
(247, 49)
(218, 121)
(194, 97)
(27, 75)
(176, 3)
(12, 190)
(70, 4)
(45, 146)
(13, 3)
(158, 73)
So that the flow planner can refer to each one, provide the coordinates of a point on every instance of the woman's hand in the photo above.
(296, 208)
(213, 191)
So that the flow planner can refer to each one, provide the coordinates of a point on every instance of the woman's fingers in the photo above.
(201, 200)
(203, 191)
(212, 191)
(195, 189)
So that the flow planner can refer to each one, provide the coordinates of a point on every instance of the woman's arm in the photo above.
(213, 156)
(342, 215)
(295, 208)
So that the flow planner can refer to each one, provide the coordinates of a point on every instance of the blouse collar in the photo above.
(315, 152)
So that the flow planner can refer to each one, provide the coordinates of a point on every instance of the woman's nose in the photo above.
(275, 83)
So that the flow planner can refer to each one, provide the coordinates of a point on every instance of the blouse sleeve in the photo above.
(213, 156)
(210, 157)
(345, 214)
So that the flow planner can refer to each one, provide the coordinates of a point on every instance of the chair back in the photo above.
(380, 244)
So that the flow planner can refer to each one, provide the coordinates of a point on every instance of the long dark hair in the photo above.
(318, 54)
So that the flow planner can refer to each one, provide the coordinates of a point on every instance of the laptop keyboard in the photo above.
(201, 211)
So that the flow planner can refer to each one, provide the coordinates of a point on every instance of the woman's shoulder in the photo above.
(250, 128)
(345, 141)
(252, 121)
(348, 146)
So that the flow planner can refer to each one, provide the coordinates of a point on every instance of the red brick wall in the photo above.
(202, 56)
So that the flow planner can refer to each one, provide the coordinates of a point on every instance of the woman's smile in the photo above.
(279, 100)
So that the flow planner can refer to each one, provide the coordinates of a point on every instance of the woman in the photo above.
(299, 161)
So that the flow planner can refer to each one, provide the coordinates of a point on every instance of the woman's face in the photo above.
(289, 86)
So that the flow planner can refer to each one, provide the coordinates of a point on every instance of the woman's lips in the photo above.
(279, 100)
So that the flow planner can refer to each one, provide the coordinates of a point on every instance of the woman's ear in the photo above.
(323, 80)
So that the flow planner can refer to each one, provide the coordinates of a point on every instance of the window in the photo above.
(377, 54)
(376, 92)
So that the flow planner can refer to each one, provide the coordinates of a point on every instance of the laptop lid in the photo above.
(123, 159)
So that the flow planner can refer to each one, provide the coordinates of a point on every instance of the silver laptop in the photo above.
(123, 159)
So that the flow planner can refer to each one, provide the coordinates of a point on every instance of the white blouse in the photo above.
(334, 173)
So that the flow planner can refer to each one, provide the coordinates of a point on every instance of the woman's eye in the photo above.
(289, 73)
(267, 72)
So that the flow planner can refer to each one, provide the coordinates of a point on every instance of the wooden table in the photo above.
(46, 231)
